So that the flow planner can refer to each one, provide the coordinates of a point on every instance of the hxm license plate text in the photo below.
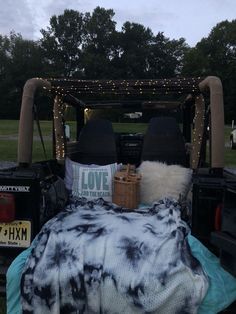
(15, 234)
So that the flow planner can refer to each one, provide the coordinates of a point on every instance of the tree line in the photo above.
(88, 46)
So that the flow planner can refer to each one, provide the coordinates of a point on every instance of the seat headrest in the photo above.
(96, 144)
(164, 142)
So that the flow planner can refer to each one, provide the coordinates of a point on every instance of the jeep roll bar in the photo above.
(199, 87)
(214, 86)
(25, 136)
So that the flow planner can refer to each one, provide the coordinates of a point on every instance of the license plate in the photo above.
(15, 234)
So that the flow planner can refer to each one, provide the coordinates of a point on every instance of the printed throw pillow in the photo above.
(68, 174)
(90, 181)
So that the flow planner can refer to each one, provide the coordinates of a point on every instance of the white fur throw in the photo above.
(160, 180)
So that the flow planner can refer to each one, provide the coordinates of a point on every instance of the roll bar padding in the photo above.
(25, 138)
(214, 86)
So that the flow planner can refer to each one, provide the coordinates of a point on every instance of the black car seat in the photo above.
(96, 144)
(164, 142)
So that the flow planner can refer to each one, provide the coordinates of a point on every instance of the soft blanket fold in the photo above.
(95, 257)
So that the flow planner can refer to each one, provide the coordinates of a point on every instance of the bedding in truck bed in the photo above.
(95, 257)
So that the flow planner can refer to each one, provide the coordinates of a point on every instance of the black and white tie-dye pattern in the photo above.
(95, 257)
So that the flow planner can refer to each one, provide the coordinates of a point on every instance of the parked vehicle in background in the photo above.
(233, 139)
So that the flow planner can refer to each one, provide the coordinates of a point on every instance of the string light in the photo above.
(60, 88)
(198, 122)
(58, 114)
(64, 86)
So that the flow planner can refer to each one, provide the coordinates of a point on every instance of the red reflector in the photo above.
(7, 207)
(218, 217)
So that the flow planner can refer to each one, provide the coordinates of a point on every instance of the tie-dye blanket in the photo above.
(95, 257)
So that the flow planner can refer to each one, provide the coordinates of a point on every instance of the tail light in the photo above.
(218, 217)
(7, 207)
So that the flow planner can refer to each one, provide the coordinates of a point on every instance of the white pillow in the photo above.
(160, 180)
(69, 172)
(90, 181)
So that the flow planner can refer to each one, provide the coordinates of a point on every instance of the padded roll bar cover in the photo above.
(164, 142)
(25, 138)
(214, 85)
(96, 144)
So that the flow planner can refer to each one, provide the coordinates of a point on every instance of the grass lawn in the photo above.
(8, 150)
(10, 127)
(9, 135)
(8, 146)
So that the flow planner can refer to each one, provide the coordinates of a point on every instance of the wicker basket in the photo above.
(126, 187)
